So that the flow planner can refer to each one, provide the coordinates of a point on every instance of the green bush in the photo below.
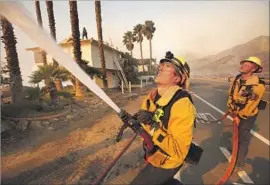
(65, 94)
(33, 93)
(22, 108)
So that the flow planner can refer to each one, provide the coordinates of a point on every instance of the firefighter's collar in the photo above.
(167, 96)
(253, 80)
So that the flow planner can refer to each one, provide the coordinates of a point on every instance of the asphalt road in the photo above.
(210, 99)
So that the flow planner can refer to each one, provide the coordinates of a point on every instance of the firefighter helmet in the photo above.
(256, 61)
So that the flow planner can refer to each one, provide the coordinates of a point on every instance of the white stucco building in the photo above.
(90, 52)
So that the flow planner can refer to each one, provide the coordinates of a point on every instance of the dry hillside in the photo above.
(226, 62)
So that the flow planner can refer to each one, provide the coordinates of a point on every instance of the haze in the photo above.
(192, 29)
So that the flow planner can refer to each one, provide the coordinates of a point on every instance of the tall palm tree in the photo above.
(128, 40)
(149, 30)
(49, 5)
(74, 20)
(8, 38)
(138, 33)
(100, 43)
(39, 20)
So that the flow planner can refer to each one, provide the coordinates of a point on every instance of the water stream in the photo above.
(18, 15)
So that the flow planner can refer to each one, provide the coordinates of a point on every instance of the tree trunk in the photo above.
(53, 93)
(58, 84)
(38, 13)
(100, 43)
(150, 66)
(9, 40)
(79, 89)
(74, 19)
(39, 20)
(142, 56)
(131, 53)
(49, 5)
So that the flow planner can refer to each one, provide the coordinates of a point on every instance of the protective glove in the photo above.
(124, 116)
(144, 116)
(136, 127)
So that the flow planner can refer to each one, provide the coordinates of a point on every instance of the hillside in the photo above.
(226, 62)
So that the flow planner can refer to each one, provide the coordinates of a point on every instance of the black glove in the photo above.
(145, 117)
(124, 116)
(136, 127)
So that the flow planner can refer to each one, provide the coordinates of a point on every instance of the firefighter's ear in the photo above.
(177, 79)
(254, 68)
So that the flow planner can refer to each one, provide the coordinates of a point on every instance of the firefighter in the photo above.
(167, 114)
(245, 94)
(84, 33)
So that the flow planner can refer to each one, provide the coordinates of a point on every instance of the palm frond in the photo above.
(138, 32)
(149, 29)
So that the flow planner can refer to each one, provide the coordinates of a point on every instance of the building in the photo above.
(90, 53)
(145, 64)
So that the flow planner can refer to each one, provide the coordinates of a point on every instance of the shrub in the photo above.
(65, 94)
(33, 93)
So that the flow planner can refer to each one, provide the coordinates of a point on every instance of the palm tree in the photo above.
(49, 5)
(128, 40)
(48, 74)
(100, 43)
(149, 30)
(74, 20)
(8, 38)
(130, 67)
(138, 32)
(39, 20)
(92, 72)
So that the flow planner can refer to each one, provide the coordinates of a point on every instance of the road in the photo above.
(79, 152)
(210, 99)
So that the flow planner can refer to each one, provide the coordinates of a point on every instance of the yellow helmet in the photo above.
(256, 61)
(179, 62)
(185, 64)
(181, 65)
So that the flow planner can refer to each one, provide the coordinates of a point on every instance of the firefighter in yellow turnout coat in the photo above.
(174, 134)
(245, 94)
(168, 115)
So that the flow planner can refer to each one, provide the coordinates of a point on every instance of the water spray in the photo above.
(18, 15)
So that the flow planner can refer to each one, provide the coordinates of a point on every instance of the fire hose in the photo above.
(215, 121)
(231, 164)
(232, 161)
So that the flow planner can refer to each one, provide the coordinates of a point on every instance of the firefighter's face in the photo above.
(247, 67)
(166, 74)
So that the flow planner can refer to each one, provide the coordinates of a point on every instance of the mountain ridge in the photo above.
(227, 61)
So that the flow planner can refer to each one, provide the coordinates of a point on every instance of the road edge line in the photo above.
(242, 174)
(260, 137)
